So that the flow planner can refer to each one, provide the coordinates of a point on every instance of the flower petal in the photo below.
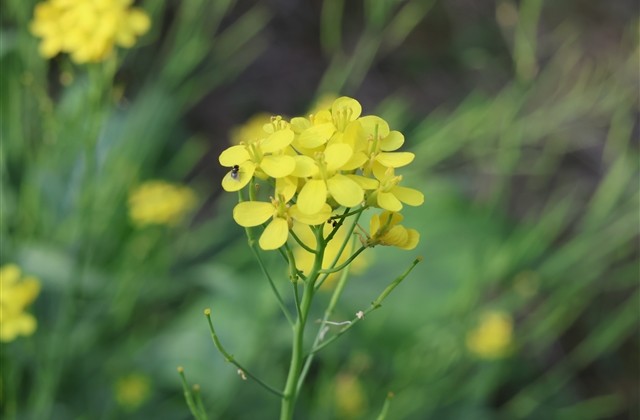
(286, 187)
(395, 159)
(346, 107)
(408, 195)
(392, 142)
(337, 155)
(356, 161)
(412, 240)
(275, 234)
(235, 155)
(316, 219)
(374, 225)
(312, 197)
(388, 201)
(345, 191)
(277, 141)
(278, 166)
(305, 167)
(299, 124)
(396, 236)
(364, 182)
(252, 213)
(242, 178)
(371, 123)
(316, 135)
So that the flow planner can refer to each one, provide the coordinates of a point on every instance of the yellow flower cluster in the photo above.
(88, 30)
(160, 203)
(492, 338)
(16, 293)
(332, 159)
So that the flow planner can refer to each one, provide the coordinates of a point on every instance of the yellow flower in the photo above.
(492, 338)
(266, 154)
(350, 396)
(132, 391)
(386, 230)
(160, 203)
(15, 295)
(390, 195)
(378, 151)
(87, 29)
(305, 259)
(250, 131)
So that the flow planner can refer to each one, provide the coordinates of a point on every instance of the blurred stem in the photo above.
(374, 305)
(188, 396)
(385, 407)
(229, 357)
(295, 367)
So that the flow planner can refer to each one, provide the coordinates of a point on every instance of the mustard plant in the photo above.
(321, 173)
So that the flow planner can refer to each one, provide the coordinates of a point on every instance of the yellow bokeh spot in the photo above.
(160, 203)
(493, 337)
(16, 293)
(132, 391)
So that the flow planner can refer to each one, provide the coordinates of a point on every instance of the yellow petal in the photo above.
(299, 124)
(278, 166)
(277, 141)
(388, 201)
(356, 161)
(286, 187)
(392, 142)
(337, 155)
(275, 234)
(232, 182)
(374, 225)
(408, 195)
(9, 275)
(312, 197)
(346, 106)
(373, 125)
(316, 135)
(412, 239)
(345, 191)
(252, 213)
(316, 219)
(390, 218)
(305, 167)
(364, 182)
(395, 159)
(234, 155)
(396, 236)
(138, 21)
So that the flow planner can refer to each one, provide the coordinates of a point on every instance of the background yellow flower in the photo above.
(16, 293)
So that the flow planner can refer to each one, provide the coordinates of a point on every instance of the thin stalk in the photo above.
(291, 386)
(229, 358)
(374, 305)
(346, 263)
(302, 244)
(188, 396)
(385, 407)
(335, 296)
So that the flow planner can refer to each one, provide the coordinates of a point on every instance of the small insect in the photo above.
(235, 171)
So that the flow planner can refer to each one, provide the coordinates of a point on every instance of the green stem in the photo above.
(374, 305)
(302, 244)
(327, 314)
(188, 396)
(295, 367)
(346, 263)
(385, 407)
(229, 358)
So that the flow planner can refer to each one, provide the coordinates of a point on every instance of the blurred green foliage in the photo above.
(532, 209)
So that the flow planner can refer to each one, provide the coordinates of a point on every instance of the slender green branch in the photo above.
(253, 244)
(188, 396)
(296, 296)
(374, 305)
(229, 358)
(335, 296)
(322, 279)
(385, 406)
(302, 244)
(351, 213)
(336, 226)
(346, 263)
(294, 273)
(199, 403)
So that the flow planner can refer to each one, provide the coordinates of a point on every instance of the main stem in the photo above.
(297, 353)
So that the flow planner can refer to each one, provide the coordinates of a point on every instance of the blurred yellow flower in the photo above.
(88, 30)
(250, 131)
(160, 203)
(350, 397)
(492, 338)
(16, 294)
(132, 391)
